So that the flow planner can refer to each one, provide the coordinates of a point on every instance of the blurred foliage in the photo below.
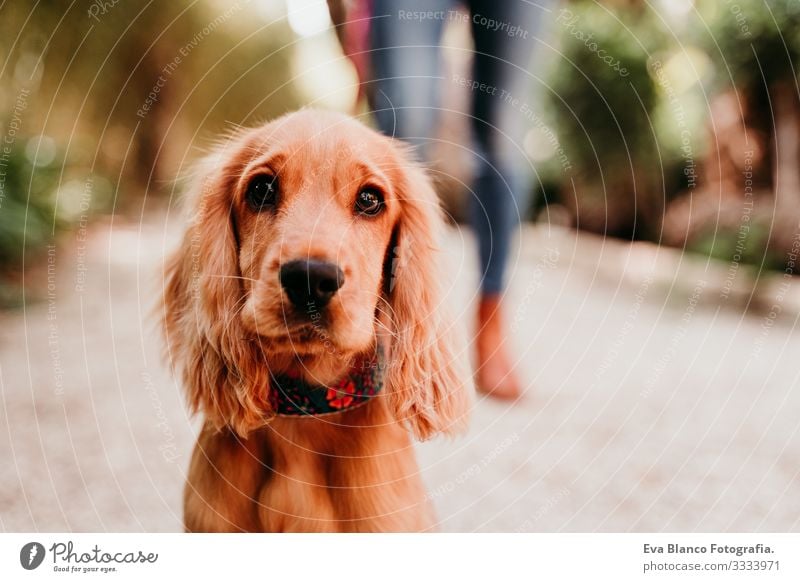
(639, 141)
(139, 77)
(43, 192)
(755, 46)
(749, 247)
(124, 94)
(127, 92)
(26, 213)
(753, 42)
(603, 97)
(606, 104)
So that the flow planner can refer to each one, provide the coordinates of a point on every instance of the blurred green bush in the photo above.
(666, 109)
(636, 112)
(605, 103)
(43, 193)
(27, 217)
(125, 90)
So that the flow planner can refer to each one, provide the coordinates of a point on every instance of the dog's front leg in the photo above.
(225, 475)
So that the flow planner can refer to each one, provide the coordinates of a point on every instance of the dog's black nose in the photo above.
(310, 283)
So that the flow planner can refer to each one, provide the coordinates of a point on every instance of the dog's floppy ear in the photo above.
(428, 382)
(223, 374)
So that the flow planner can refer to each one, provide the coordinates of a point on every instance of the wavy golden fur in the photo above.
(228, 324)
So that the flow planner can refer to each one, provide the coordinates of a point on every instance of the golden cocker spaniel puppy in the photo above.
(304, 312)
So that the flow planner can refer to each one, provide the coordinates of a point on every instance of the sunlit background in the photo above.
(702, 78)
(685, 168)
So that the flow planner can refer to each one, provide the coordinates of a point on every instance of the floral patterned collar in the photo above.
(291, 396)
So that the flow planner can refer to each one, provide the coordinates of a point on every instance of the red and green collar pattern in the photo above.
(292, 396)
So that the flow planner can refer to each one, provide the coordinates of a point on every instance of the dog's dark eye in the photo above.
(369, 202)
(262, 191)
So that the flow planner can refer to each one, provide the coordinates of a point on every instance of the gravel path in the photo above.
(663, 397)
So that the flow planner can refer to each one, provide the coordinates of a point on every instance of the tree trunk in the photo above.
(787, 148)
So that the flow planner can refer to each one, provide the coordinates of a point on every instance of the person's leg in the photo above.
(505, 37)
(404, 39)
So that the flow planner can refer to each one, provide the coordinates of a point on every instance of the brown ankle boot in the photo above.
(495, 375)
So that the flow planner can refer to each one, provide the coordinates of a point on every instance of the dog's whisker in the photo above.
(386, 314)
(232, 277)
(238, 306)
(389, 332)
(390, 310)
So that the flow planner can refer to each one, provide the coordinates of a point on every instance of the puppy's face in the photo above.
(313, 212)
(296, 228)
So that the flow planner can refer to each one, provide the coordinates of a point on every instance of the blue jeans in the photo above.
(405, 37)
